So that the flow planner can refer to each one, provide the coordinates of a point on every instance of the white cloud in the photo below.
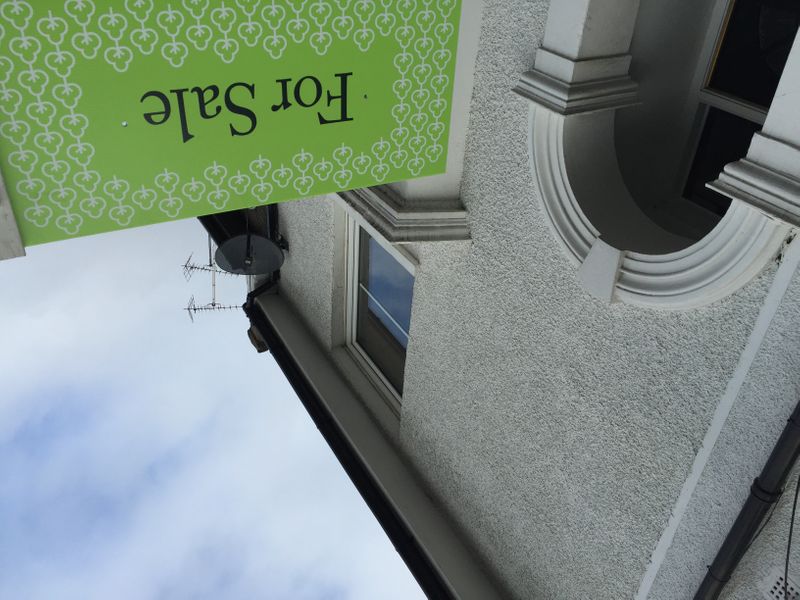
(144, 457)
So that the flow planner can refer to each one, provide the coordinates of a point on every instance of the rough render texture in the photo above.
(307, 274)
(765, 401)
(559, 431)
(556, 430)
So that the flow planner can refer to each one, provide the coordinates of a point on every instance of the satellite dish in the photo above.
(249, 254)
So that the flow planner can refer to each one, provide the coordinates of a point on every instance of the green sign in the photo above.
(116, 114)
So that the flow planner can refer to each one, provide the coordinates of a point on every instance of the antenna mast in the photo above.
(213, 275)
(189, 269)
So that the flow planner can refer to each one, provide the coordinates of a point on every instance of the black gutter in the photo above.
(764, 493)
(409, 548)
(262, 220)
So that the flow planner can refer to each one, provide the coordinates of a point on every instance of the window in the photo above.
(725, 139)
(613, 177)
(381, 280)
(748, 61)
(757, 38)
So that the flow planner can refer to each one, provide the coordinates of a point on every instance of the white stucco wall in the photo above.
(559, 431)
(307, 276)
(764, 401)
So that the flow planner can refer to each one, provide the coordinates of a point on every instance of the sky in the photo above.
(143, 457)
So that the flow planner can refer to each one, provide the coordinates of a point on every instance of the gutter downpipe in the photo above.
(764, 493)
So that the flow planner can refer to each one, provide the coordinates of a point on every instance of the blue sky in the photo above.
(146, 458)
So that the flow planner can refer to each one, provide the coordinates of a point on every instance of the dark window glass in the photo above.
(385, 293)
(725, 139)
(754, 49)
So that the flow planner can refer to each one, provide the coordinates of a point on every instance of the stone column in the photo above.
(584, 60)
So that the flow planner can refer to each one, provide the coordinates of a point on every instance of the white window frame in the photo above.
(734, 106)
(354, 224)
(708, 61)
(708, 97)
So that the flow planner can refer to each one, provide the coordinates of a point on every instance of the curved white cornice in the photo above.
(581, 77)
(742, 244)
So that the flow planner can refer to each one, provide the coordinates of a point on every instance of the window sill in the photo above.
(380, 399)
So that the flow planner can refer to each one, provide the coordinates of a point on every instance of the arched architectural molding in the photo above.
(734, 252)
(579, 81)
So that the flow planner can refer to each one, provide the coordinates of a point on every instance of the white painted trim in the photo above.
(718, 22)
(734, 252)
(385, 391)
(599, 273)
(400, 253)
(578, 83)
(387, 212)
(783, 278)
(769, 176)
(568, 97)
(769, 191)
(356, 222)
(734, 106)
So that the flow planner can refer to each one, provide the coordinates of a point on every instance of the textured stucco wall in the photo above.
(307, 276)
(557, 430)
(766, 399)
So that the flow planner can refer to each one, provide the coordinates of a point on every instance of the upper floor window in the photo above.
(634, 114)
(725, 139)
(753, 49)
(746, 67)
(382, 290)
(385, 292)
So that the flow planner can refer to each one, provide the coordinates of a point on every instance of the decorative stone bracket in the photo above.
(400, 223)
(569, 87)
(579, 80)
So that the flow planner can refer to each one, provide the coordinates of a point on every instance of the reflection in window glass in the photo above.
(390, 288)
(754, 49)
(385, 293)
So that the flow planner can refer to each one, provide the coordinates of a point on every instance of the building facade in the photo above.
(563, 363)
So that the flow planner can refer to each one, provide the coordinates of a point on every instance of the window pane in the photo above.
(725, 139)
(391, 287)
(754, 49)
(384, 309)
(400, 334)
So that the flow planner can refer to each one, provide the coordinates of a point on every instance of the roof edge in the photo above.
(447, 572)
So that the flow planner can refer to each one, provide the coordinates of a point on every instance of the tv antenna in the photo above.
(192, 308)
(189, 269)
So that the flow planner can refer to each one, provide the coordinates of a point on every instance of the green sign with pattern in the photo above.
(116, 114)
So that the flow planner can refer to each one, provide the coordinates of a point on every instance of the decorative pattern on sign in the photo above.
(43, 129)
